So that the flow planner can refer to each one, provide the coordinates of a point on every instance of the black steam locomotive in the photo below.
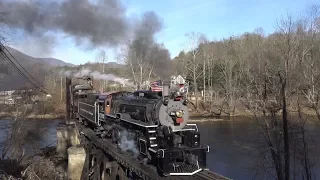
(151, 125)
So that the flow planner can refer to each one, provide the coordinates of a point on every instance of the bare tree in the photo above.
(145, 60)
(102, 58)
(205, 52)
(3, 40)
(276, 84)
(310, 57)
(275, 77)
(3, 26)
(192, 62)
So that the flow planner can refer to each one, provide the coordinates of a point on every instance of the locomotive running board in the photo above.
(185, 174)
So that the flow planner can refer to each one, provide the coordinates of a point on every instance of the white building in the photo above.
(177, 80)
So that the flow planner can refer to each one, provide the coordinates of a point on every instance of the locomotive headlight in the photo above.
(179, 114)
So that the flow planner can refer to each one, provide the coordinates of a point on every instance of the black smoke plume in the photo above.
(145, 47)
(92, 24)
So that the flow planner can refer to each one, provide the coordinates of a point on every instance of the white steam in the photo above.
(98, 76)
(127, 144)
(67, 73)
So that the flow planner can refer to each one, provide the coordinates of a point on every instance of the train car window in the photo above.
(137, 113)
(123, 109)
(101, 108)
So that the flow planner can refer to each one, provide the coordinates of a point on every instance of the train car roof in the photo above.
(108, 93)
(105, 94)
(80, 93)
(78, 87)
(148, 94)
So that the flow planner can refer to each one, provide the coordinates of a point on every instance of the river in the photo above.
(228, 140)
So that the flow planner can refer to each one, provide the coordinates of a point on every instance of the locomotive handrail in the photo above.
(99, 122)
(179, 130)
(194, 125)
(95, 112)
(187, 129)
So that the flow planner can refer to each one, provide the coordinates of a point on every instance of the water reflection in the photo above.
(226, 154)
(232, 146)
(39, 133)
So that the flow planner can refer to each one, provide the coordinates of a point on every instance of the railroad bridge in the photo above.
(91, 157)
(96, 158)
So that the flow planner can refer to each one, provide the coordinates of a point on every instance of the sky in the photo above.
(216, 19)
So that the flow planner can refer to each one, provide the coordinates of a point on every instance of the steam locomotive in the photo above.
(152, 125)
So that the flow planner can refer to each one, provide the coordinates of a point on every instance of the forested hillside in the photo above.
(255, 69)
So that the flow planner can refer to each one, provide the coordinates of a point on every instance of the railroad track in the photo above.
(88, 136)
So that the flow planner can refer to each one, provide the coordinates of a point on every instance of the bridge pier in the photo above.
(69, 148)
(62, 142)
(76, 159)
(73, 134)
(67, 136)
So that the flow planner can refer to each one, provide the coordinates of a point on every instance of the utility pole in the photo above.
(68, 99)
(104, 81)
(61, 88)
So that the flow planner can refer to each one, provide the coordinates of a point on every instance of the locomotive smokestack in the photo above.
(165, 88)
(95, 84)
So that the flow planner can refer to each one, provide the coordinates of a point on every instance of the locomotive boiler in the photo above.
(155, 122)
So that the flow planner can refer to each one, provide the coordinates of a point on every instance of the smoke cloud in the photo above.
(127, 144)
(92, 24)
(97, 76)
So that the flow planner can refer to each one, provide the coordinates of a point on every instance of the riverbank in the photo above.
(44, 165)
(206, 119)
(33, 116)
(244, 113)
(195, 115)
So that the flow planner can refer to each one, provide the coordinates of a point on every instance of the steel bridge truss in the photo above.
(105, 161)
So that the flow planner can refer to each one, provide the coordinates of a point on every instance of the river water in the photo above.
(228, 141)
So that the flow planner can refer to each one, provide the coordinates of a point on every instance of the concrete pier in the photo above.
(62, 141)
(67, 136)
(76, 159)
(73, 134)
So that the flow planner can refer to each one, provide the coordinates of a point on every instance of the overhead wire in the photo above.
(6, 58)
(9, 60)
(21, 65)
